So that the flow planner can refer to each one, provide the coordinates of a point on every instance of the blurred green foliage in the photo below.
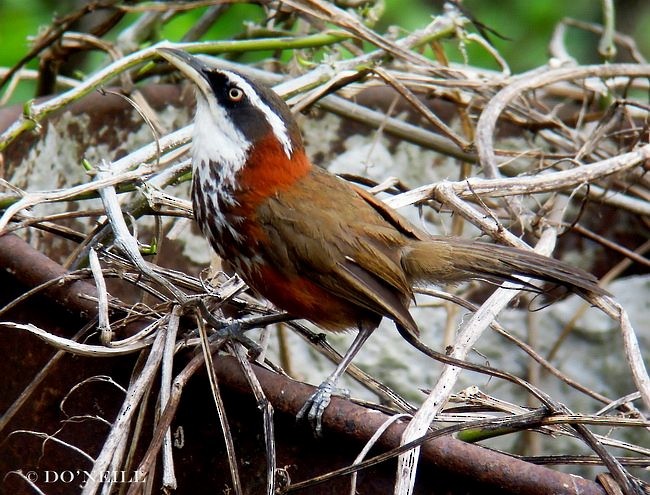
(18, 22)
(529, 25)
(524, 27)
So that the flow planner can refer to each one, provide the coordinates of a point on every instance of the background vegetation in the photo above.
(524, 48)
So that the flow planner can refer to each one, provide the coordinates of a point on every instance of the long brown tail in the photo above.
(452, 259)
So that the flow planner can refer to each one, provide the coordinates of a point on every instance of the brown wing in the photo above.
(392, 217)
(326, 228)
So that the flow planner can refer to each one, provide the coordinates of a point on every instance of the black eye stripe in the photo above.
(245, 113)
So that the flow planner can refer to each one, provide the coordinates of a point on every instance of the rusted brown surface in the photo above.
(466, 468)
(24, 356)
(31, 268)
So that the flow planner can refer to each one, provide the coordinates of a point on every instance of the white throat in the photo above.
(219, 152)
(215, 139)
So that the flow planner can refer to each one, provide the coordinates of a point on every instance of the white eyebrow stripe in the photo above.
(274, 120)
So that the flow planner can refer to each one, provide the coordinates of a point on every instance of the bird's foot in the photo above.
(313, 409)
(235, 331)
(315, 406)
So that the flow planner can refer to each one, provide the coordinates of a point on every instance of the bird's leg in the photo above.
(316, 404)
(234, 330)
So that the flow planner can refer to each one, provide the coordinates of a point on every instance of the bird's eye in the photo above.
(235, 94)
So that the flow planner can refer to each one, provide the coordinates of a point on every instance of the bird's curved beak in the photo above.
(190, 66)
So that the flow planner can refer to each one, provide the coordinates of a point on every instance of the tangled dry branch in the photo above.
(531, 152)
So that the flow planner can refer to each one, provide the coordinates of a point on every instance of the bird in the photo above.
(314, 245)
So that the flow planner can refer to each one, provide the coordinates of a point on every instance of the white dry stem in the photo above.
(632, 351)
(73, 347)
(35, 112)
(467, 337)
(104, 324)
(421, 108)
(27, 480)
(127, 169)
(483, 43)
(132, 37)
(169, 476)
(127, 242)
(31, 75)
(86, 381)
(139, 336)
(606, 304)
(618, 403)
(540, 183)
(486, 127)
(221, 410)
(557, 48)
(369, 445)
(407, 464)
(35, 198)
(38, 111)
(267, 411)
(50, 438)
(401, 49)
(122, 424)
(554, 425)
(485, 135)
(324, 72)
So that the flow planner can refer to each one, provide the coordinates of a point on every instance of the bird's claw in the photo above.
(235, 331)
(315, 406)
